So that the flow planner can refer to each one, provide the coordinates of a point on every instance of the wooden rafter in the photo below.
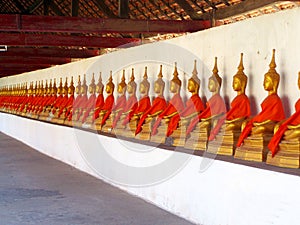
(188, 9)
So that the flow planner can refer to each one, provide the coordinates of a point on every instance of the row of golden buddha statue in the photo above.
(267, 137)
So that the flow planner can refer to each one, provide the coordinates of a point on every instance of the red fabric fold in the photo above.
(174, 105)
(240, 107)
(214, 106)
(272, 109)
(193, 105)
(158, 104)
(131, 103)
(293, 120)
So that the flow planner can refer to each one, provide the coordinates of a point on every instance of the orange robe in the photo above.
(193, 105)
(107, 106)
(240, 107)
(143, 104)
(271, 109)
(89, 106)
(75, 106)
(81, 106)
(158, 104)
(131, 104)
(98, 106)
(120, 105)
(57, 103)
(214, 106)
(293, 120)
(174, 106)
(68, 105)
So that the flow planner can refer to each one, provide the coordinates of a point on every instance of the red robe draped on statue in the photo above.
(72, 109)
(131, 104)
(158, 104)
(98, 106)
(271, 109)
(193, 105)
(107, 106)
(57, 103)
(81, 106)
(293, 120)
(89, 106)
(143, 104)
(240, 107)
(66, 105)
(119, 106)
(214, 106)
(175, 105)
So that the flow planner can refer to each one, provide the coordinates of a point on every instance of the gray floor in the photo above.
(35, 189)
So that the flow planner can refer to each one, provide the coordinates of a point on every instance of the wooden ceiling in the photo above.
(40, 33)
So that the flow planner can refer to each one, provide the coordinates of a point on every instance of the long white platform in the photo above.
(205, 192)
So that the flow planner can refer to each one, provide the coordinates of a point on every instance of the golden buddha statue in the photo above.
(178, 124)
(175, 106)
(131, 120)
(285, 144)
(111, 117)
(74, 107)
(225, 134)
(143, 130)
(131, 105)
(81, 103)
(99, 101)
(107, 105)
(89, 105)
(62, 103)
(256, 133)
(199, 127)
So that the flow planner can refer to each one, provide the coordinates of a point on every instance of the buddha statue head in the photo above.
(122, 85)
(35, 90)
(65, 88)
(84, 87)
(45, 88)
(299, 79)
(145, 85)
(194, 81)
(159, 84)
(78, 87)
(110, 87)
(215, 81)
(92, 86)
(49, 91)
(71, 88)
(99, 86)
(131, 86)
(240, 79)
(272, 78)
(54, 88)
(30, 89)
(60, 87)
(175, 83)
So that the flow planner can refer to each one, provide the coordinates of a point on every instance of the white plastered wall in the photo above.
(225, 193)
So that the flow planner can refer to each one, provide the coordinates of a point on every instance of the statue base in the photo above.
(254, 148)
(145, 134)
(179, 136)
(198, 138)
(287, 156)
(224, 143)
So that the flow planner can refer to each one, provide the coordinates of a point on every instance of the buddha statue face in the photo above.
(236, 84)
(130, 89)
(143, 89)
(121, 89)
(92, 89)
(212, 85)
(58, 91)
(83, 90)
(193, 87)
(174, 88)
(268, 83)
(99, 89)
(299, 80)
(157, 88)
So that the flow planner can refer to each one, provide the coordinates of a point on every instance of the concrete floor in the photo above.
(35, 189)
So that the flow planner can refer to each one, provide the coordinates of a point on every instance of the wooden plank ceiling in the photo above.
(37, 34)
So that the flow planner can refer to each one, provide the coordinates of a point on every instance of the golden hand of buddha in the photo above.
(236, 120)
(256, 124)
(102, 112)
(170, 116)
(263, 127)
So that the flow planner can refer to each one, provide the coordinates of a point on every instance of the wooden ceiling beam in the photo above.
(33, 60)
(239, 8)
(22, 39)
(28, 23)
(74, 7)
(188, 9)
(49, 52)
(104, 8)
